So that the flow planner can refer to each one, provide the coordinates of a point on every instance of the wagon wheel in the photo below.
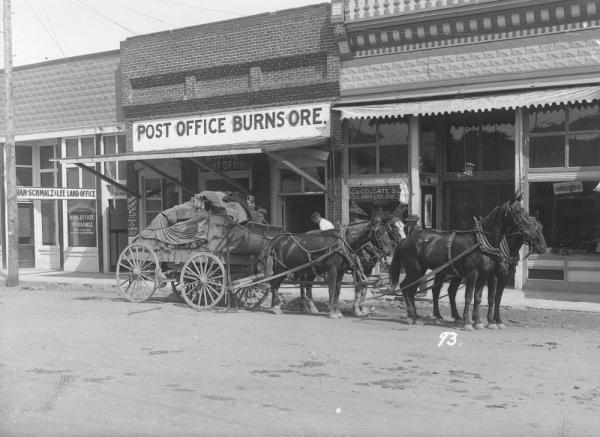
(253, 296)
(137, 270)
(202, 281)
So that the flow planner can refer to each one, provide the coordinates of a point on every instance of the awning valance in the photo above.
(233, 149)
(480, 103)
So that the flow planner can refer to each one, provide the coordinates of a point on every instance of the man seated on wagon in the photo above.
(324, 224)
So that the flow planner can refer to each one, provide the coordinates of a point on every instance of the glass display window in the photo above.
(377, 146)
(565, 138)
(570, 214)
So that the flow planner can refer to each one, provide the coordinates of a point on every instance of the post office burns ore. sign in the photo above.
(266, 124)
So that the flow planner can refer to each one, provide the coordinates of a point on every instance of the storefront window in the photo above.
(81, 215)
(115, 144)
(564, 138)
(570, 214)
(377, 146)
(486, 140)
(292, 182)
(71, 147)
(24, 168)
(153, 200)
(48, 222)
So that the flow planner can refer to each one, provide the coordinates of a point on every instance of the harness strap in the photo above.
(449, 244)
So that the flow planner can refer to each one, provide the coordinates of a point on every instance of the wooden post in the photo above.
(9, 159)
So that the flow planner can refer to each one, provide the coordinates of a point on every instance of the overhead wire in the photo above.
(142, 13)
(81, 4)
(52, 38)
(52, 28)
(173, 2)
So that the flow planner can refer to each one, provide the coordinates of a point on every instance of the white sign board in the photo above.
(267, 124)
(31, 193)
(567, 187)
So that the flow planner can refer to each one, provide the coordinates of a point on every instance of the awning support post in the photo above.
(107, 179)
(201, 163)
(166, 176)
(296, 169)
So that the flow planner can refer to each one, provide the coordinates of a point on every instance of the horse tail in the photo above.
(395, 268)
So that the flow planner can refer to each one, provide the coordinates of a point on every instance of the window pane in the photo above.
(46, 154)
(110, 145)
(571, 221)
(547, 120)
(88, 180)
(290, 182)
(71, 147)
(48, 223)
(72, 178)
(87, 146)
(316, 172)
(110, 169)
(498, 146)
(362, 131)
(47, 179)
(81, 216)
(23, 155)
(393, 132)
(584, 118)
(547, 152)
(24, 176)
(121, 144)
(463, 145)
(362, 160)
(584, 150)
(393, 159)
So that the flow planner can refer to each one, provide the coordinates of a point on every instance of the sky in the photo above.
(44, 30)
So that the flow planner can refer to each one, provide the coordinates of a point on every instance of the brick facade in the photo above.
(289, 57)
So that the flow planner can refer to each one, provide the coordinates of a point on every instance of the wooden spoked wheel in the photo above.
(137, 270)
(203, 281)
(253, 296)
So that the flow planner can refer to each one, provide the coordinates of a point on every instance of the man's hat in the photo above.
(314, 215)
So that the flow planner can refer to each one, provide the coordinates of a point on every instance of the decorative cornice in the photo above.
(483, 20)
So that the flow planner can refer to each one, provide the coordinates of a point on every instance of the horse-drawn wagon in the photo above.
(201, 253)
(208, 256)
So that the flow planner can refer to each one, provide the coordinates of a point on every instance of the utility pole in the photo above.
(12, 258)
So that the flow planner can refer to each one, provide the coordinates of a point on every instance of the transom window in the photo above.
(565, 137)
(377, 146)
(117, 171)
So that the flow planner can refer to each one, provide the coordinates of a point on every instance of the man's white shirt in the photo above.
(325, 225)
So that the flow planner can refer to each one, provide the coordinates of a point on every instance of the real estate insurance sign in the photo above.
(265, 124)
(34, 193)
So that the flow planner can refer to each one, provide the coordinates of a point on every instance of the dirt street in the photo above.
(78, 361)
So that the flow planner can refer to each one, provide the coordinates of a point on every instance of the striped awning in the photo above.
(480, 103)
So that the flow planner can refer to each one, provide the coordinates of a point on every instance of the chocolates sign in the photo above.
(267, 124)
(375, 192)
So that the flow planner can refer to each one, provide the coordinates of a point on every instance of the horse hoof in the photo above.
(417, 322)
(357, 312)
(492, 326)
(313, 308)
(335, 315)
(501, 326)
(276, 310)
(468, 327)
(478, 326)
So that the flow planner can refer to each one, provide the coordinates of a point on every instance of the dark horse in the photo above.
(530, 233)
(335, 256)
(473, 255)
(368, 256)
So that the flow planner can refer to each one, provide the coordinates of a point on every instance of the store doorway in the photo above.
(297, 210)
(117, 230)
(26, 236)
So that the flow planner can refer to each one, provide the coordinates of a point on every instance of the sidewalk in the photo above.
(586, 302)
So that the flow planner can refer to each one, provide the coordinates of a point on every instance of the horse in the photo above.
(530, 233)
(331, 255)
(463, 254)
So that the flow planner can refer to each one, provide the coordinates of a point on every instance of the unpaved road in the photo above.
(80, 362)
